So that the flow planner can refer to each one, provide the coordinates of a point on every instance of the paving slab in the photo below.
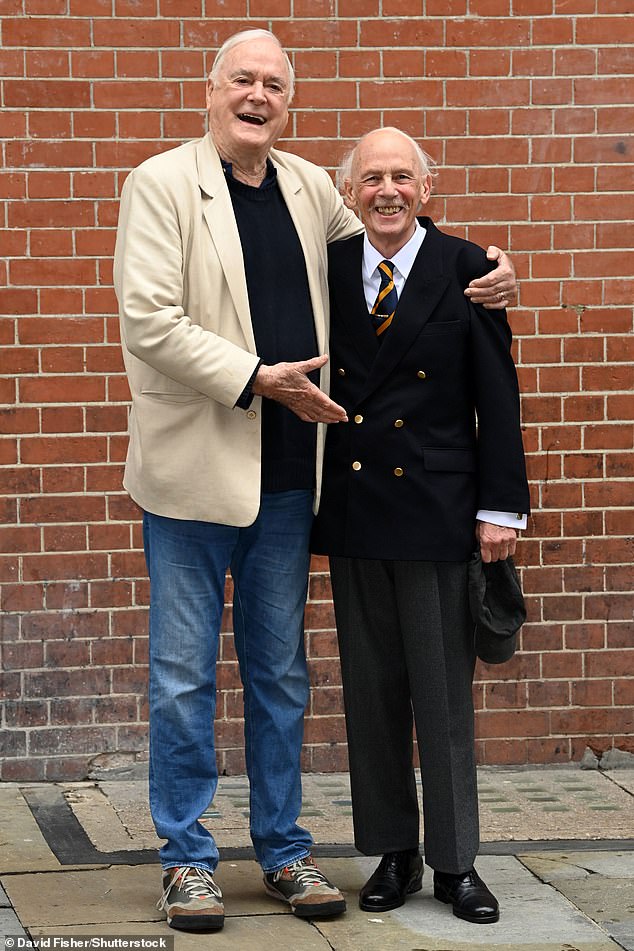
(9, 923)
(623, 778)
(22, 845)
(600, 884)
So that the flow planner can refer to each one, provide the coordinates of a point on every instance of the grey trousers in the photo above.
(407, 656)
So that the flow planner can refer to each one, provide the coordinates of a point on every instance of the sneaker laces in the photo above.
(195, 882)
(305, 872)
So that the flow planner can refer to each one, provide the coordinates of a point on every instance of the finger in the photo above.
(482, 282)
(498, 303)
(315, 363)
(494, 253)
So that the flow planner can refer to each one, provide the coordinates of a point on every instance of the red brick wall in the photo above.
(528, 116)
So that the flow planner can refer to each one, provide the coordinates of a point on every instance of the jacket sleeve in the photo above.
(503, 486)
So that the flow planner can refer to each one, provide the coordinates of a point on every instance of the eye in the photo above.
(276, 88)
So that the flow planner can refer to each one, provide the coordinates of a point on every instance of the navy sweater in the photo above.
(283, 322)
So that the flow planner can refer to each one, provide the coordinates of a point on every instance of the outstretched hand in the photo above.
(288, 384)
(498, 288)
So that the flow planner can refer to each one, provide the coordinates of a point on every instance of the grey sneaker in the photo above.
(191, 899)
(306, 889)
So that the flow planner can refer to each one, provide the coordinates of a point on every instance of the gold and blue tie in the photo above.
(385, 304)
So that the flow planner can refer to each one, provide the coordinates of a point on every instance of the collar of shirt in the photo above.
(402, 261)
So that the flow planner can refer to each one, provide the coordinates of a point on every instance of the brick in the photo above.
(615, 119)
(19, 539)
(554, 694)
(47, 63)
(404, 63)
(401, 93)
(92, 64)
(40, 567)
(137, 33)
(505, 696)
(94, 125)
(607, 378)
(65, 32)
(140, 94)
(23, 655)
(57, 94)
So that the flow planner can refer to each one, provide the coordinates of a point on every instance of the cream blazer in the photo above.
(186, 330)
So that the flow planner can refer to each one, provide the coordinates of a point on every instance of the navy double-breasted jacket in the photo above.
(434, 422)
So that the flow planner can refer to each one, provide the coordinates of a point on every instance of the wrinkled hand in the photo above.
(498, 288)
(288, 383)
(496, 541)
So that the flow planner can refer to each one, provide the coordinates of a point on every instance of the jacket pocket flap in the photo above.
(450, 460)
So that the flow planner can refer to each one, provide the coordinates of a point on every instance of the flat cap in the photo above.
(497, 608)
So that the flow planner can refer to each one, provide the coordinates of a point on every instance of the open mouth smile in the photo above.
(388, 209)
(252, 119)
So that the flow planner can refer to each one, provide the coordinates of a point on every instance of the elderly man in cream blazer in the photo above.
(220, 273)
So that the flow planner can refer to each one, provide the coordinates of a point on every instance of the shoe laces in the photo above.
(195, 882)
(304, 872)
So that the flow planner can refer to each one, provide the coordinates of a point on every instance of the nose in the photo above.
(387, 186)
(256, 92)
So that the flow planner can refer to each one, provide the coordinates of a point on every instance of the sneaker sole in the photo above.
(326, 910)
(196, 922)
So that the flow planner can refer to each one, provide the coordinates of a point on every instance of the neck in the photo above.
(247, 167)
(252, 175)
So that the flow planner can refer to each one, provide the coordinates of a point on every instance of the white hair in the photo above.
(427, 164)
(243, 37)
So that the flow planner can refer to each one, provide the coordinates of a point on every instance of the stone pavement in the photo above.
(79, 859)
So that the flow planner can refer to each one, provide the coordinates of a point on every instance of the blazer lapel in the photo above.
(218, 213)
(424, 288)
(349, 307)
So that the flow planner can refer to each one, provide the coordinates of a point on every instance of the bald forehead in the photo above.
(384, 147)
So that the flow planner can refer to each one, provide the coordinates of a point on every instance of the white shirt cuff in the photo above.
(505, 519)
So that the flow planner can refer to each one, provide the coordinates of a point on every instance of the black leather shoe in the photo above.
(398, 874)
(468, 894)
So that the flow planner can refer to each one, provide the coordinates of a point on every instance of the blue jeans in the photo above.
(187, 563)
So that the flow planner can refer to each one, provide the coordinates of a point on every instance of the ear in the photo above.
(208, 91)
(349, 198)
(425, 191)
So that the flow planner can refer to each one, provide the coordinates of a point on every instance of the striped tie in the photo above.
(386, 301)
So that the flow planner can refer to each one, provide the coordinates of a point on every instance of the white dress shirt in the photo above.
(403, 261)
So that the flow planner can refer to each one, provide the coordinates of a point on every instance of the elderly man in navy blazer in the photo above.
(429, 467)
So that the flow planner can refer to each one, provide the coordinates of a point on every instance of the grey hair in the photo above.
(243, 37)
(427, 163)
